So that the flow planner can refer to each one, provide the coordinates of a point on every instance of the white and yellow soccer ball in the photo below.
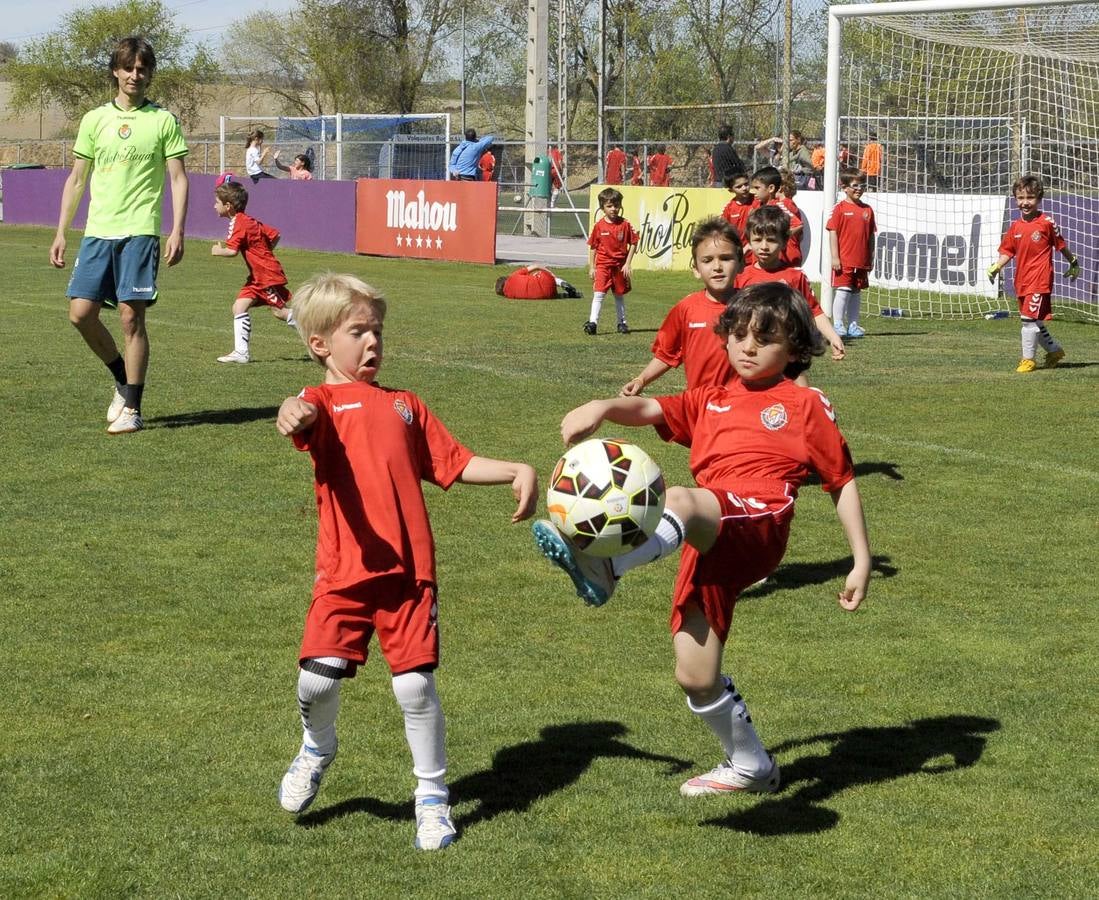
(606, 496)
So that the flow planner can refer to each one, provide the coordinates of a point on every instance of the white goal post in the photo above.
(963, 97)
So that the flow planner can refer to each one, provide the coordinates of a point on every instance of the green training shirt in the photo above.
(128, 151)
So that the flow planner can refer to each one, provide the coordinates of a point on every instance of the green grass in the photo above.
(940, 742)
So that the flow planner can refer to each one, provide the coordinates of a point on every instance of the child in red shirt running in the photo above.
(611, 248)
(686, 337)
(1030, 241)
(851, 229)
(372, 447)
(266, 283)
(736, 211)
(767, 234)
(754, 442)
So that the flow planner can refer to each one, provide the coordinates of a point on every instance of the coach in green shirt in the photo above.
(126, 146)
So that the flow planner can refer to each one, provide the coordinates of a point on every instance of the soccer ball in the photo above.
(606, 496)
(518, 198)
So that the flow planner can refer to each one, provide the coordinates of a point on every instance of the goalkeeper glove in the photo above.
(993, 272)
(1073, 270)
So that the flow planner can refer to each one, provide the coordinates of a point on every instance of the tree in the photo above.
(69, 67)
(8, 52)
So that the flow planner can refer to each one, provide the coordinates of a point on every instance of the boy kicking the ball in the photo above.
(372, 447)
(754, 442)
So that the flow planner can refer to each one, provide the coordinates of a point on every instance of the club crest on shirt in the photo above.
(1035, 236)
(403, 411)
(774, 417)
(124, 131)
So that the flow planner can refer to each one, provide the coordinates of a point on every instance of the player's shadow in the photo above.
(237, 416)
(881, 334)
(890, 470)
(860, 756)
(794, 575)
(520, 775)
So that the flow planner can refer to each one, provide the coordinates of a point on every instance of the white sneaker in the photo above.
(434, 827)
(724, 779)
(118, 402)
(235, 357)
(128, 420)
(303, 779)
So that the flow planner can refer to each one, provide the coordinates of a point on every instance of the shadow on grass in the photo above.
(888, 469)
(520, 774)
(860, 756)
(791, 576)
(215, 417)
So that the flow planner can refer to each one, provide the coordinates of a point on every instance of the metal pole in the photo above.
(787, 80)
(463, 30)
(831, 147)
(599, 112)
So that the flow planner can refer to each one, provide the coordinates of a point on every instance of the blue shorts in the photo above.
(116, 270)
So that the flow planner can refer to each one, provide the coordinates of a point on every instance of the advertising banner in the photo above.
(453, 220)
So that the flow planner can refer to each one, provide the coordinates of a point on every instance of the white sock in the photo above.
(1046, 339)
(242, 333)
(290, 320)
(1030, 338)
(620, 308)
(425, 729)
(596, 305)
(839, 306)
(854, 303)
(319, 702)
(728, 718)
(668, 537)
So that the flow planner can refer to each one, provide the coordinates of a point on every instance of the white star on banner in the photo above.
(419, 241)
(398, 240)
(408, 240)
(439, 243)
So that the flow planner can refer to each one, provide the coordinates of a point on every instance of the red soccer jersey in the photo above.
(557, 166)
(616, 166)
(736, 214)
(635, 171)
(687, 337)
(854, 226)
(767, 441)
(1031, 244)
(754, 274)
(538, 285)
(255, 242)
(659, 164)
(612, 242)
(792, 253)
(372, 447)
(487, 164)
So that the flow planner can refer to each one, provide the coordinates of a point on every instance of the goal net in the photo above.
(957, 100)
(345, 146)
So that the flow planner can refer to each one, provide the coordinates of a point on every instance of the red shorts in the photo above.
(403, 612)
(751, 542)
(277, 295)
(1035, 306)
(607, 278)
(852, 279)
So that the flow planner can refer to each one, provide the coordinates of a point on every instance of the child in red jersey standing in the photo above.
(851, 229)
(767, 235)
(372, 447)
(736, 211)
(753, 443)
(660, 166)
(612, 244)
(1030, 241)
(686, 337)
(766, 188)
(266, 284)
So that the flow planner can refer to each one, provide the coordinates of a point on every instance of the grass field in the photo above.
(940, 742)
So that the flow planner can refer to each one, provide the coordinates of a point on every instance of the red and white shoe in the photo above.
(724, 779)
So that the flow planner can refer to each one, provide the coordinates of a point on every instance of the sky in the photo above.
(27, 20)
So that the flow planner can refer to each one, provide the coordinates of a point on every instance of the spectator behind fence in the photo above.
(870, 165)
(726, 162)
(660, 165)
(464, 159)
(615, 170)
(255, 155)
(301, 169)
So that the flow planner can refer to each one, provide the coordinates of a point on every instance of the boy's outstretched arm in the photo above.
(828, 331)
(584, 420)
(649, 374)
(849, 509)
(521, 477)
(295, 415)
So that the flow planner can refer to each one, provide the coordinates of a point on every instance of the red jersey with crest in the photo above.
(854, 226)
(372, 447)
(1031, 244)
(611, 242)
(767, 441)
(686, 337)
(755, 274)
(736, 214)
(255, 242)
